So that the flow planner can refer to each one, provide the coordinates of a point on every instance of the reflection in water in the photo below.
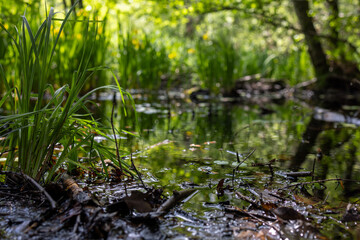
(204, 139)
(333, 149)
(313, 129)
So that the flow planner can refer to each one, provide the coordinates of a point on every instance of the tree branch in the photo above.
(275, 21)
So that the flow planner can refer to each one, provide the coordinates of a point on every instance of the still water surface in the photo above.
(186, 145)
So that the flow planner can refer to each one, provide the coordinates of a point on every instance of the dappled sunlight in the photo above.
(179, 119)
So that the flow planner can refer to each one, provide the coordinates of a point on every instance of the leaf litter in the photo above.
(273, 204)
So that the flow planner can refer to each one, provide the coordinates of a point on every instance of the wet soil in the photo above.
(271, 203)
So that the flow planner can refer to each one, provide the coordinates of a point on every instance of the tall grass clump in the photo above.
(216, 61)
(142, 61)
(221, 60)
(294, 66)
(43, 118)
(291, 65)
(71, 47)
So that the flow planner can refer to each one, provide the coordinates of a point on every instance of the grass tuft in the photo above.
(43, 117)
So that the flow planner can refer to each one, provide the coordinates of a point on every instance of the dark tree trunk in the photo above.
(341, 75)
(315, 48)
(334, 17)
(313, 129)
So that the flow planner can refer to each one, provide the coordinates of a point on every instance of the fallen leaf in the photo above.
(138, 201)
(305, 200)
(220, 188)
(286, 213)
(268, 206)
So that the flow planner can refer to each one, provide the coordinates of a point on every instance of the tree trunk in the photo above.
(315, 49)
(333, 22)
(313, 129)
(342, 75)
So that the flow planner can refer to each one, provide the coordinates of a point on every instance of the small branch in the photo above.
(238, 160)
(317, 181)
(15, 195)
(279, 22)
(299, 174)
(171, 202)
(113, 129)
(51, 200)
(74, 190)
(247, 199)
(35, 184)
(109, 163)
(137, 172)
(255, 216)
(313, 170)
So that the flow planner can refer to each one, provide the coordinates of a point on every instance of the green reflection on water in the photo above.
(203, 140)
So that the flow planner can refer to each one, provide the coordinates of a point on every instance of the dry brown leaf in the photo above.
(220, 188)
(305, 200)
(268, 206)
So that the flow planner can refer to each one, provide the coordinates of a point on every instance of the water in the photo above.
(242, 159)
(186, 145)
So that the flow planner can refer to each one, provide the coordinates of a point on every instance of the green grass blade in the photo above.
(61, 29)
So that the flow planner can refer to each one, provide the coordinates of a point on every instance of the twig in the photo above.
(137, 172)
(256, 217)
(299, 174)
(47, 195)
(318, 181)
(238, 160)
(126, 192)
(35, 184)
(16, 195)
(246, 199)
(279, 22)
(171, 202)
(113, 129)
(271, 170)
(75, 228)
(108, 162)
(326, 198)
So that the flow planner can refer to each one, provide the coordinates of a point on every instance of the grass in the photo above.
(216, 61)
(142, 61)
(220, 61)
(71, 43)
(145, 60)
(43, 117)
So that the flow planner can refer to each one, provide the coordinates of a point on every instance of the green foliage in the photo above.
(220, 62)
(71, 43)
(42, 118)
(152, 46)
(142, 61)
(216, 62)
